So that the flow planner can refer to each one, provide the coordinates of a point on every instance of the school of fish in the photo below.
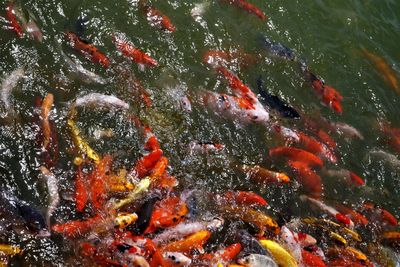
(135, 213)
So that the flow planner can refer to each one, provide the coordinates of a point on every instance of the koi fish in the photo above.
(124, 219)
(346, 130)
(380, 64)
(356, 217)
(98, 178)
(330, 210)
(87, 49)
(310, 144)
(294, 242)
(311, 260)
(101, 101)
(12, 19)
(275, 102)
(144, 215)
(52, 187)
(145, 164)
(236, 108)
(8, 85)
(168, 212)
(392, 134)
(10, 250)
(156, 18)
(257, 260)
(249, 244)
(80, 72)
(309, 180)
(217, 58)
(81, 144)
(279, 254)
(393, 160)
(194, 241)
(140, 188)
(21, 211)
(29, 25)
(159, 169)
(177, 259)
(135, 54)
(246, 6)
(187, 228)
(74, 229)
(379, 213)
(328, 95)
(264, 176)
(143, 93)
(278, 50)
(244, 198)
(81, 193)
(296, 154)
(45, 111)
(349, 177)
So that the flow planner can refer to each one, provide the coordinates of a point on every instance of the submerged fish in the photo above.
(347, 130)
(278, 50)
(81, 73)
(380, 64)
(52, 187)
(246, 6)
(12, 19)
(45, 111)
(20, 211)
(274, 102)
(393, 160)
(8, 85)
(257, 260)
(101, 100)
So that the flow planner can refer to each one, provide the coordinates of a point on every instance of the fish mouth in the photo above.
(44, 233)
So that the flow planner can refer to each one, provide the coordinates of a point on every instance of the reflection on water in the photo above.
(179, 109)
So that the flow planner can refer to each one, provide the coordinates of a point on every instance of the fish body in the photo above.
(155, 17)
(257, 260)
(9, 250)
(140, 188)
(74, 229)
(52, 187)
(133, 53)
(386, 156)
(274, 102)
(309, 180)
(194, 241)
(296, 154)
(206, 146)
(388, 73)
(185, 103)
(102, 101)
(311, 260)
(279, 254)
(81, 192)
(12, 19)
(278, 50)
(348, 177)
(347, 130)
(21, 211)
(316, 147)
(8, 84)
(146, 163)
(45, 111)
(245, 198)
(246, 6)
(264, 176)
(87, 49)
(177, 259)
(249, 244)
(81, 73)
(80, 143)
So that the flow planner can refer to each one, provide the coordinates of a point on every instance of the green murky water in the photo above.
(329, 34)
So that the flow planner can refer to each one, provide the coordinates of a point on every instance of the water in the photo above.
(329, 34)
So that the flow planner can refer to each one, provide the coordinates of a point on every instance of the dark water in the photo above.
(329, 34)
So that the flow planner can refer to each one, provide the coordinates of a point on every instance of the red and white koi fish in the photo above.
(348, 177)
(330, 210)
(87, 49)
(186, 105)
(246, 6)
(133, 53)
(379, 214)
(205, 146)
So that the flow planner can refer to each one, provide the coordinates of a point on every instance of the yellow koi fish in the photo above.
(81, 144)
(280, 255)
(140, 188)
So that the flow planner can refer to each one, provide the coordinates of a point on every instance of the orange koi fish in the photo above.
(12, 19)
(326, 138)
(155, 17)
(194, 241)
(151, 142)
(356, 217)
(98, 179)
(74, 229)
(45, 111)
(238, 87)
(81, 193)
(388, 73)
(135, 54)
(310, 181)
(143, 94)
(264, 176)
(159, 169)
(89, 250)
(168, 212)
(311, 260)
(88, 50)
(146, 163)
(242, 4)
(296, 154)
(392, 135)
(312, 145)
(328, 95)
(245, 198)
